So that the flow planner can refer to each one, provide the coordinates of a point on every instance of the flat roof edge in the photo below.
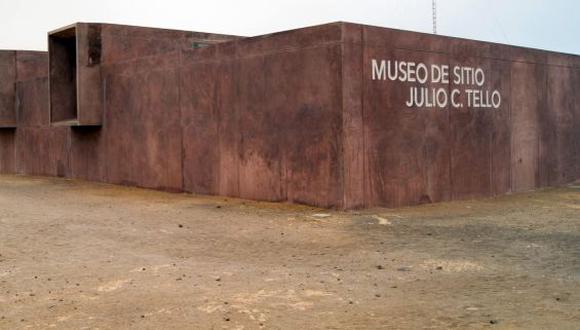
(458, 38)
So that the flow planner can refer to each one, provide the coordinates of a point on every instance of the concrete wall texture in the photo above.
(301, 116)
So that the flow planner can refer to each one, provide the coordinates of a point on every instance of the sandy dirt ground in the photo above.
(77, 255)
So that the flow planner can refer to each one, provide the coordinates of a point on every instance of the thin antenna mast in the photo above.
(434, 16)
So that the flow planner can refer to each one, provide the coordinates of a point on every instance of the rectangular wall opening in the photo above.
(62, 49)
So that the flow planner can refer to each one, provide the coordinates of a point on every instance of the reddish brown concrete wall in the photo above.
(139, 142)
(223, 120)
(7, 150)
(294, 116)
(7, 110)
(415, 155)
(247, 118)
(81, 52)
(261, 117)
(40, 149)
(7, 91)
(32, 147)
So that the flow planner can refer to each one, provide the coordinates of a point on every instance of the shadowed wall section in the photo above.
(293, 116)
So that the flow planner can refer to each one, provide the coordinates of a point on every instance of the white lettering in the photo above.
(454, 94)
(496, 99)
(467, 80)
(422, 73)
(479, 77)
(378, 71)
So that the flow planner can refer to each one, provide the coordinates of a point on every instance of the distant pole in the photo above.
(434, 16)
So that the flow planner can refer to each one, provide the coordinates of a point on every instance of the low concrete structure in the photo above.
(338, 115)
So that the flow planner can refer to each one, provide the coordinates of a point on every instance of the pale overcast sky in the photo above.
(545, 24)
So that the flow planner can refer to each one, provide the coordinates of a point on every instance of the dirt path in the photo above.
(80, 255)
